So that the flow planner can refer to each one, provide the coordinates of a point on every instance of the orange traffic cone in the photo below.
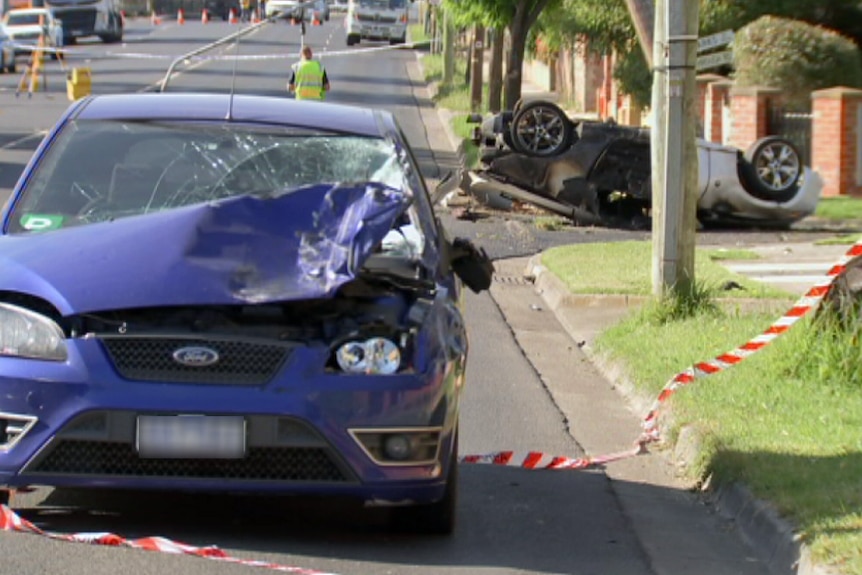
(205, 16)
(315, 19)
(254, 17)
(232, 17)
(155, 20)
(181, 17)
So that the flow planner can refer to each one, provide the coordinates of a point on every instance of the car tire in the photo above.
(5, 496)
(771, 168)
(434, 518)
(352, 39)
(540, 129)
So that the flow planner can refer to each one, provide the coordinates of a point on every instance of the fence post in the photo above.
(836, 151)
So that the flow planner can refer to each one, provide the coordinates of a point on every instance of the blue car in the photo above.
(229, 293)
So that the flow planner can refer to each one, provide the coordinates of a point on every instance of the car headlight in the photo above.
(375, 356)
(24, 333)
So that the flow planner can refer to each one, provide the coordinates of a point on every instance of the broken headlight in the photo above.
(24, 333)
(374, 356)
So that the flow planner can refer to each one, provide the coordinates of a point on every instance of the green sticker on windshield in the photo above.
(40, 222)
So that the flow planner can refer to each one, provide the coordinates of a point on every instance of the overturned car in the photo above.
(598, 173)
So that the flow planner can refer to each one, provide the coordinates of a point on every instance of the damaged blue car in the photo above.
(228, 293)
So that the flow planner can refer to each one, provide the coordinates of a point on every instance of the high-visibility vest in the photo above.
(309, 80)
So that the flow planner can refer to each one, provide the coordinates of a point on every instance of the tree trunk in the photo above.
(844, 300)
(518, 30)
(448, 49)
(477, 63)
(495, 72)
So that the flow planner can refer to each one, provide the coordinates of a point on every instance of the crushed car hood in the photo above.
(298, 245)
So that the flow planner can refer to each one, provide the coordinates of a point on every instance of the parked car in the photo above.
(298, 9)
(7, 53)
(206, 292)
(24, 26)
(221, 8)
(599, 172)
(338, 6)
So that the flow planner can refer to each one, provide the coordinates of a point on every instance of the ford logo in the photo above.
(195, 356)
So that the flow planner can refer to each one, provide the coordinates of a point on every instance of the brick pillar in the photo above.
(749, 110)
(835, 140)
(716, 98)
(703, 81)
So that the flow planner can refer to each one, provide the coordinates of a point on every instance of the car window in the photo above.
(25, 19)
(104, 170)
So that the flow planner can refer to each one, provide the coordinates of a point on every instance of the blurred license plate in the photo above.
(191, 436)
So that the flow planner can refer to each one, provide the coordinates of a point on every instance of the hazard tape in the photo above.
(11, 521)
(73, 54)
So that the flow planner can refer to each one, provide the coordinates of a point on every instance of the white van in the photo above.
(377, 20)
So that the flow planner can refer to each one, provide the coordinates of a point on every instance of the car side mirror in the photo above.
(471, 264)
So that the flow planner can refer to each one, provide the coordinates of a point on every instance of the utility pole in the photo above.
(478, 62)
(674, 151)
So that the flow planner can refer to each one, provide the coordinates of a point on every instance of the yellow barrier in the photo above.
(78, 83)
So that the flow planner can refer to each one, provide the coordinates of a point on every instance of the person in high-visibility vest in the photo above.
(308, 80)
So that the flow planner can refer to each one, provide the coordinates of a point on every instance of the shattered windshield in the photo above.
(383, 4)
(104, 170)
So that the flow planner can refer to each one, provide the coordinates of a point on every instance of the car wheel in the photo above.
(5, 496)
(434, 518)
(540, 129)
(771, 169)
(352, 39)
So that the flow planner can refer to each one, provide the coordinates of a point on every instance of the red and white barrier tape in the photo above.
(10, 521)
(809, 301)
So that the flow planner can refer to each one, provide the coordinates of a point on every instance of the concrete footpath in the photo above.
(772, 541)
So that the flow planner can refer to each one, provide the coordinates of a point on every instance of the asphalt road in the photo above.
(511, 521)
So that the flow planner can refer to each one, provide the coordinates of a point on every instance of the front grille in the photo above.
(99, 458)
(377, 18)
(152, 359)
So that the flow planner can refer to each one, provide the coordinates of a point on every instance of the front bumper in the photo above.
(377, 31)
(298, 441)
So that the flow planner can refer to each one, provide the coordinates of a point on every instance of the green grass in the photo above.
(842, 240)
(786, 422)
(839, 208)
(583, 268)
(456, 98)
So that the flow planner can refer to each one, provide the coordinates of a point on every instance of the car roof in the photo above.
(243, 108)
(26, 11)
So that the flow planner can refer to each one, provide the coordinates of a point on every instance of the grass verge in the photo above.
(839, 208)
(583, 269)
(785, 422)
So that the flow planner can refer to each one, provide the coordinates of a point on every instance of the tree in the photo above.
(517, 16)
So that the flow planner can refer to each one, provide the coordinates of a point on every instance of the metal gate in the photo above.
(795, 126)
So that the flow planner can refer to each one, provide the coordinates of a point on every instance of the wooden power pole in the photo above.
(674, 150)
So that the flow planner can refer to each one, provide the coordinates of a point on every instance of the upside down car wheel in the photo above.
(540, 129)
(772, 169)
